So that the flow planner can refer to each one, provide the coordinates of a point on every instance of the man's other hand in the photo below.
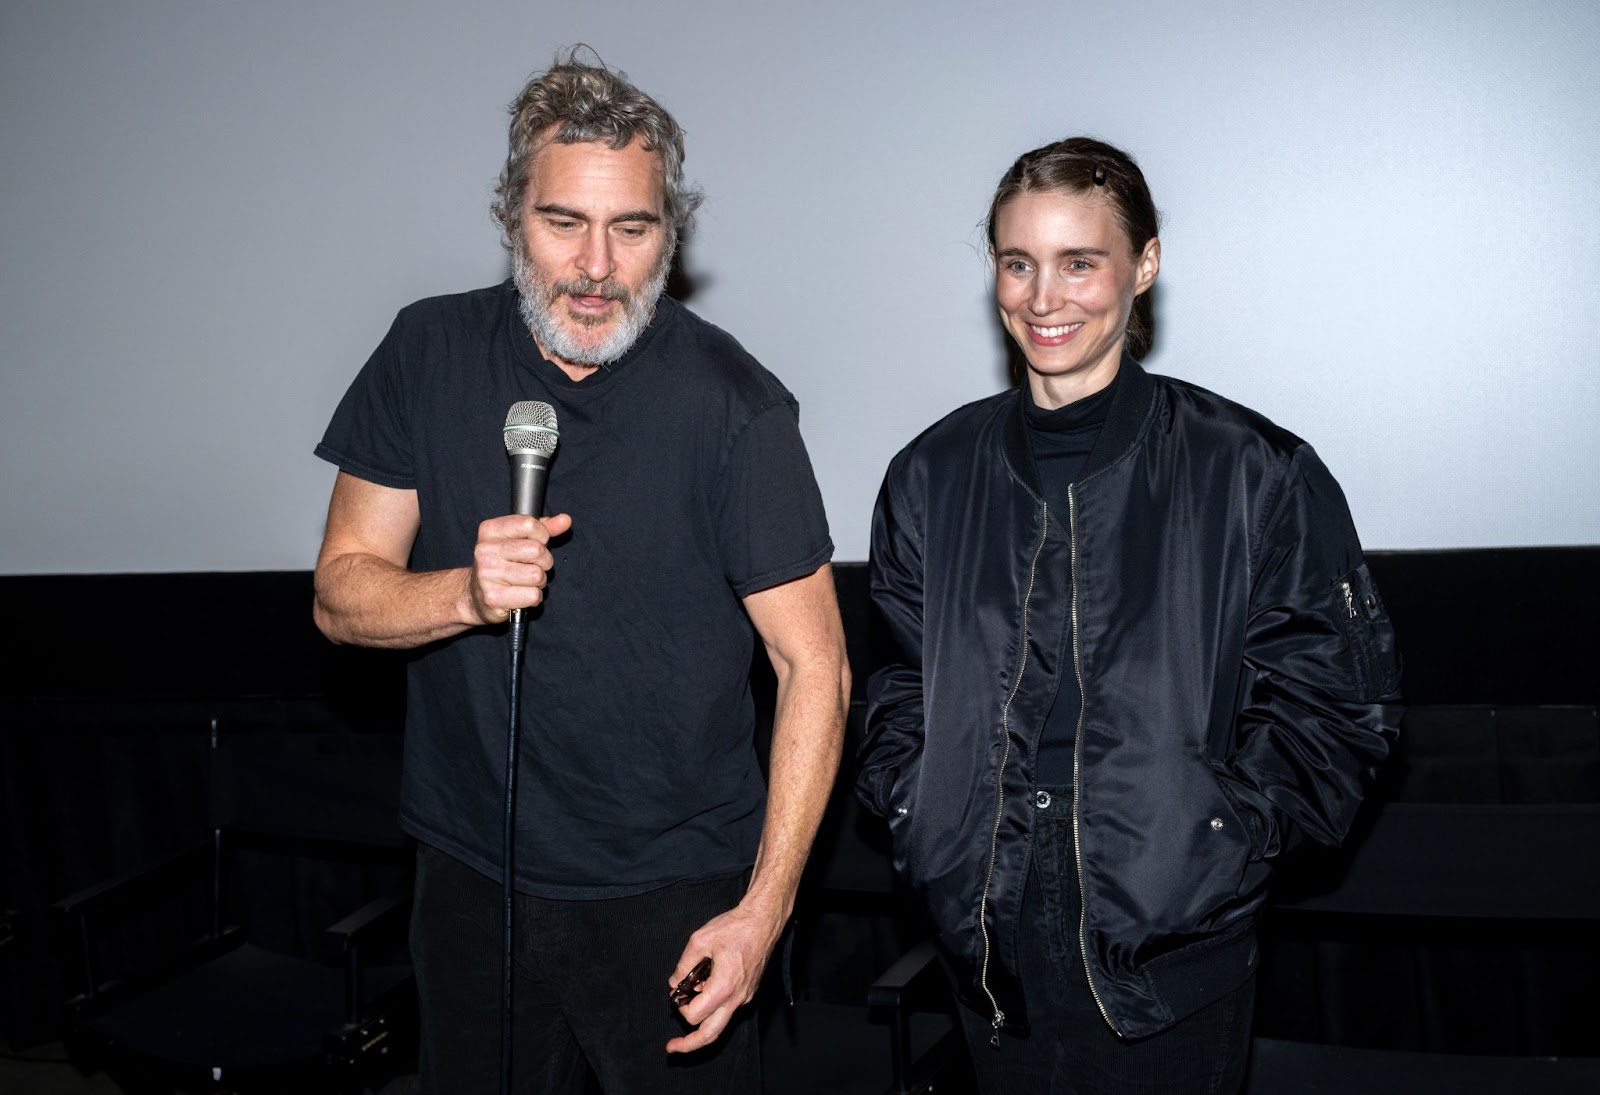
(738, 943)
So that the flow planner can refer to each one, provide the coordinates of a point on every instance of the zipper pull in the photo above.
(1349, 599)
(997, 1022)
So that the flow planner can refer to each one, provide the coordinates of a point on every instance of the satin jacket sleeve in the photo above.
(895, 713)
(1319, 689)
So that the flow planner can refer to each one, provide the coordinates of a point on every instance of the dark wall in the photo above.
(187, 636)
(111, 682)
(1500, 626)
(1513, 625)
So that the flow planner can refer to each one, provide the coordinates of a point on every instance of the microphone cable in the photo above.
(518, 631)
(530, 441)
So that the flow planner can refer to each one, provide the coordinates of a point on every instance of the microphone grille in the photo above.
(531, 427)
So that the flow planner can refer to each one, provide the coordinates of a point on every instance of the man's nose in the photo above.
(595, 259)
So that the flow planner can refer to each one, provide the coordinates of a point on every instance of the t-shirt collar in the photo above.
(666, 310)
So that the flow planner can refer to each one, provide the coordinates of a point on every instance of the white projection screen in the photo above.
(1380, 230)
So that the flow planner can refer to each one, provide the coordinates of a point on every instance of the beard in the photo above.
(539, 297)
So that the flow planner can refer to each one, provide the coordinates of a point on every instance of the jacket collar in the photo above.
(1130, 404)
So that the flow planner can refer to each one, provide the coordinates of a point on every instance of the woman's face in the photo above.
(1064, 281)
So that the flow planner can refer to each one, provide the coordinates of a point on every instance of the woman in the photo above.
(1134, 655)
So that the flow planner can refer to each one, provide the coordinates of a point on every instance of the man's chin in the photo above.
(590, 338)
(593, 322)
(592, 346)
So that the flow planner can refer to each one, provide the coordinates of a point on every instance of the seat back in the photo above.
(305, 785)
(305, 822)
(1448, 929)
(1469, 862)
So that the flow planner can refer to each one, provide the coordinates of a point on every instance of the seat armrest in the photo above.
(120, 888)
(892, 985)
(371, 919)
(915, 973)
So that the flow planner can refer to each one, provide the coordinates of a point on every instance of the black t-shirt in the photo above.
(689, 487)
(1061, 440)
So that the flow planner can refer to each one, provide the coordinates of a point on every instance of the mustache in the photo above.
(587, 287)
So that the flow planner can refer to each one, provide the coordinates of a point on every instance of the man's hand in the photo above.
(511, 564)
(367, 594)
(738, 943)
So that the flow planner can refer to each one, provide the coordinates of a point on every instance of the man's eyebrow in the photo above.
(635, 216)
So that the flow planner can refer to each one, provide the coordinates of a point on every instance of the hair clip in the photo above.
(1099, 173)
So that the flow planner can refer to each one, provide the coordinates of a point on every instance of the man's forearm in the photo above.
(368, 601)
(807, 735)
(799, 623)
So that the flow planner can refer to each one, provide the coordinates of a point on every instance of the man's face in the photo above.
(593, 254)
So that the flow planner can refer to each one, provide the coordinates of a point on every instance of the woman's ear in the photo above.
(1148, 266)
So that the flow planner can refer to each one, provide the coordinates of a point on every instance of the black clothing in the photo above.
(1067, 1047)
(1060, 441)
(1238, 674)
(689, 488)
(590, 992)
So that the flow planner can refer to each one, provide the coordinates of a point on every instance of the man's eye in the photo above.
(633, 231)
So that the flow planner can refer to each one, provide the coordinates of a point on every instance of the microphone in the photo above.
(531, 438)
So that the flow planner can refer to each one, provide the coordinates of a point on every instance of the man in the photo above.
(685, 511)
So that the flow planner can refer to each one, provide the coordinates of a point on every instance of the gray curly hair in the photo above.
(589, 103)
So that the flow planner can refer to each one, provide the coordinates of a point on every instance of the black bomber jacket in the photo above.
(1239, 677)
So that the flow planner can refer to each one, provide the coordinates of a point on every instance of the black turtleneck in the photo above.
(1061, 441)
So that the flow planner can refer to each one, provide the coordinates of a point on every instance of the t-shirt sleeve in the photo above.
(369, 436)
(771, 526)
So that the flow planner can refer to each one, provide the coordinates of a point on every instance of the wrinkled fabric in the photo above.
(1238, 671)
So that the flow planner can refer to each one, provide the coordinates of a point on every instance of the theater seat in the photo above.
(227, 1013)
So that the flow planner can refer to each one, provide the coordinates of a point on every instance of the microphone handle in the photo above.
(529, 471)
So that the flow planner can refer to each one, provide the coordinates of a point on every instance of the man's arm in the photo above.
(798, 622)
(365, 595)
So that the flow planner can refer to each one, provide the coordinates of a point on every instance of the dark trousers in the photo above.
(1069, 1047)
(590, 989)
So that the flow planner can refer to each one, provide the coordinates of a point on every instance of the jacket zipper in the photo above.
(999, 1018)
(1077, 761)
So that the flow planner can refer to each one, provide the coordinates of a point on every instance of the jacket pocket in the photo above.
(1245, 820)
(1368, 634)
(899, 793)
(877, 786)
